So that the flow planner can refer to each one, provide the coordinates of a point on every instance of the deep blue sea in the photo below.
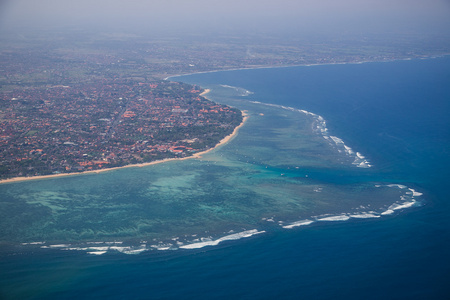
(335, 188)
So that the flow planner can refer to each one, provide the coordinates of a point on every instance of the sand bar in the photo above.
(196, 155)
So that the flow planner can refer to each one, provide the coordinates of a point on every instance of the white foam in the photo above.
(241, 91)
(400, 186)
(77, 249)
(97, 252)
(348, 150)
(361, 161)
(99, 248)
(320, 126)
(337, 140)
(298, 223)
(404, 205)
(104, 243)
(33, 243)
(397, 206)
(235, 236)
(364, 216)
(59, 246)
(105, 248)
(335, 218)
(134, 251)
(415, 194)
(163, 247)
(129, 250)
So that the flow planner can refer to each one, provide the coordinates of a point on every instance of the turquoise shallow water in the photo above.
(370, 232)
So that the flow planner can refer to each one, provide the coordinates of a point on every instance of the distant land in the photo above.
(80, 101)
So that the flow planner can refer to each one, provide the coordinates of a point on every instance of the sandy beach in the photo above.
(205, 92)
(196, 155)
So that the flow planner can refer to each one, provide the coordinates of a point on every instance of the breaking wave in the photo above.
(407, 200)
(241, 91)
(319, 125)
(99, 248)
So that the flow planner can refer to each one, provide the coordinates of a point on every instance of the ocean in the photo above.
(335, 188)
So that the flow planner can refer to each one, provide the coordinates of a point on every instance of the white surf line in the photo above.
(235, 236)
(319, 125)
(297, 224)
(243, 92)
(406, 201)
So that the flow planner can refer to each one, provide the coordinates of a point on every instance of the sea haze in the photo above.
(337, 180)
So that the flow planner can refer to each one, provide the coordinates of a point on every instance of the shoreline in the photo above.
(196, 155)
(206, 91)
(309, 65)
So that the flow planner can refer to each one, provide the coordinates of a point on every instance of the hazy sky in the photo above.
(220, 15)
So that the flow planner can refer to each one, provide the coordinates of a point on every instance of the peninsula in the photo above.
(76, 101)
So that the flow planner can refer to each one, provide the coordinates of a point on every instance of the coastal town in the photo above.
(66, 129)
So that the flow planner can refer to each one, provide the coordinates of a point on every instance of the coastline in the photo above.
(310, 65)
(196, 155)
(204, 93)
